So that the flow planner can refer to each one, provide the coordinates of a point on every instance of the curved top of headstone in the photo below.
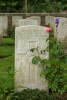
(28, 21)
(32, 31)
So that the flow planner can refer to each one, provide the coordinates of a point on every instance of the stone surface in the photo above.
(47, 20)
(28, 21)
(27, 75)
(15, 20)
(35, 18)
(3, 25)
(61, 30)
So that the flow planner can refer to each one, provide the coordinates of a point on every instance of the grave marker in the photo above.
(27, 75)
(61, 30)
(28, 21)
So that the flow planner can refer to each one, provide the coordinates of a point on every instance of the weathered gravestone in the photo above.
(60, 32)
(27, 75)
(28, 21)
(35, 18)
(15, 20)
(3, 25)
(47, 20)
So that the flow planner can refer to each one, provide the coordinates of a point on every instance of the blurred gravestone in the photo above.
(35, 18)
(27, 75)
(3, 25)
(15, 20)
(28, 21)
(61, 30)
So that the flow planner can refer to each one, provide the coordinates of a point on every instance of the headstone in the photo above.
(47, 20)
(35, 18)
(15, 20)
(28, 21)
(61, 30)
(27, 75)
(3, 25)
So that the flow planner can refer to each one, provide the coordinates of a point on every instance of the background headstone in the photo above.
(61, 31)
(3, 25)
(15, 20)
(35, 18)
(28, 21)
(27, 75)
(47, 20)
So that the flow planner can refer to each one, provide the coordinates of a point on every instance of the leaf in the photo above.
(36, 60)
(32, 50)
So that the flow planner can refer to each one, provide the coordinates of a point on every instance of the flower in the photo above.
(48, 29)
(56, 21)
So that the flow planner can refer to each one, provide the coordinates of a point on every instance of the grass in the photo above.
(6, 51)
(8, 41)
(6, 73)
(7, 47)
(6, 67)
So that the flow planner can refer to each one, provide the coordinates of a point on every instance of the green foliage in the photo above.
(32, 50)
(55, 71)
(11, 5)
(8, 41)
(11, 32)
(33, 5)
(6, 69)
(36, 60)
(29, 94)
(6, 51)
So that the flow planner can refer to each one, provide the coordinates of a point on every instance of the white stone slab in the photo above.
(61, 30)
(35, 18)
(28, 21)
(15, 20)
(27, 74)
(47, 20)
(3, 25)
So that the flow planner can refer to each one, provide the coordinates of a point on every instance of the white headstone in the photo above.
(27, 75)
(15, 20)
(61, 30)
(28, 21)
(3, 25)
(35, 18)
(47, 20)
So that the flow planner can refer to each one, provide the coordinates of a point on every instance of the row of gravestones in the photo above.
(29, 35)
(4, 27)
(60, 32)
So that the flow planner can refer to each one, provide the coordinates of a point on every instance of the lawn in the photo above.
(6, 66)
(8, 41)
(7, 48)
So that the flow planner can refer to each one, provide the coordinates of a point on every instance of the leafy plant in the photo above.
(54, 68)
(30, 94)
(11, 32)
